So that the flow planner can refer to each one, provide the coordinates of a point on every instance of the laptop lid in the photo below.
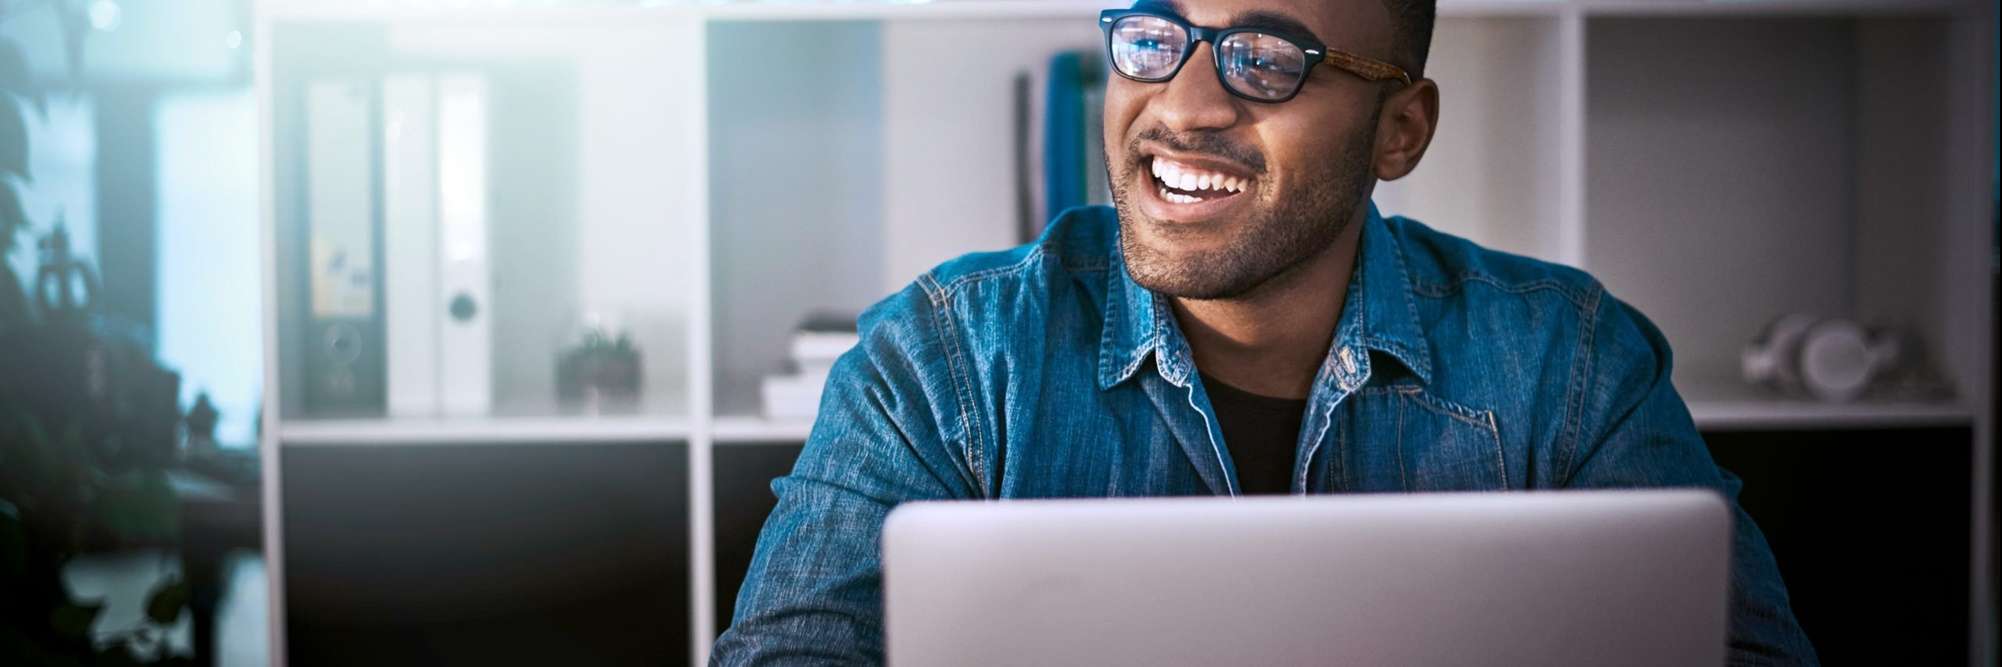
(1546, 578)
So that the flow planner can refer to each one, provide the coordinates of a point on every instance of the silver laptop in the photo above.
(1548, 578)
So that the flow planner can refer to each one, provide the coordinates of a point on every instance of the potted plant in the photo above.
(87, 429)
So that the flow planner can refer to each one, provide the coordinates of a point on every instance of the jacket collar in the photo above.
(1379, 315)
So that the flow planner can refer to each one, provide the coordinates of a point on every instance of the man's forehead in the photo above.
(1336, 22)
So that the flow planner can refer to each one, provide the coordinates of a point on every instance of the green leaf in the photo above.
(165, 603)
(118, 654)
(18, 648)
(55, 469)
(13, 549)
(13, 216)
(72, 620)
(139, 506)
(14, 72)
(27, 449)
(13, 139)
(13, 298)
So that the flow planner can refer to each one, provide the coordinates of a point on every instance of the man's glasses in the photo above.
(1253, 63)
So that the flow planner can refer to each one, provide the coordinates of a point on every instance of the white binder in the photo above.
(438, 293)
(414, 308)
(465, 359)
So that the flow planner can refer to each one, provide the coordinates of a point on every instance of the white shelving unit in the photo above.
(712, 171)
(448, 430)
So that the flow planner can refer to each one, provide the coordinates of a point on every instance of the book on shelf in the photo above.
(811, 349)
(791, 397)
(816, 343)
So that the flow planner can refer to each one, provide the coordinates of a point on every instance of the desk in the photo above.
(216, 518)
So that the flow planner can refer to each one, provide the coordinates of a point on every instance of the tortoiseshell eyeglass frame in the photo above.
(1366, 68)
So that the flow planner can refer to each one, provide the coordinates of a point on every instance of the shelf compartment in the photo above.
(745, 429)
(1716, 207)
(587, 165)
(1724, 407)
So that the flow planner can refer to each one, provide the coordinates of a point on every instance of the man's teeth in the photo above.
(1188, 178)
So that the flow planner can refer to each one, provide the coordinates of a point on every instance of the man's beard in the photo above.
(1302, 223)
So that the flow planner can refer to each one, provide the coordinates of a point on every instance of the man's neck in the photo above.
(1272, 341)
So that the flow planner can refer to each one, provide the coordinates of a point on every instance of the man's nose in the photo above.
(1195, 99)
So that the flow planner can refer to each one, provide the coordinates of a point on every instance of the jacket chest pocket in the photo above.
(1399, 438)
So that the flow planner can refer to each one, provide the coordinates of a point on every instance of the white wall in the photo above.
(796, 199)
(1492, 172)
(948, 169)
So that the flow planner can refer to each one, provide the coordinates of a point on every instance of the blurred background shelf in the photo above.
(742, 429)
(478, 430)
(1723, 407)
(1743, 8)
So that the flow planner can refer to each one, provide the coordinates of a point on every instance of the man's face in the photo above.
(1283, 180)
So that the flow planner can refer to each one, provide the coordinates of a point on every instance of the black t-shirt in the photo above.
(1262, 433)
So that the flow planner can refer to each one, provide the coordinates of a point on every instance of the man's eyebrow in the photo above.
(1269, 20)
(1164, 6)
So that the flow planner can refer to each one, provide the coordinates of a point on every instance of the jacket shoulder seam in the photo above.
(943, 295)
(1582, 363)
(955, 363)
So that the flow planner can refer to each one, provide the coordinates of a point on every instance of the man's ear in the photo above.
(1403, 131)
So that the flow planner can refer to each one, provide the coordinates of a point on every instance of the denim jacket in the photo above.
(1046, 371)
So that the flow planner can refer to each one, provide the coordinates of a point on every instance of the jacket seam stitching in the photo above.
(974, 452)
(947, 290)
(1479, 420)
(1114, 312)
(1453, 409)
(1552, 284)
(1581, 374)
(1403, 475)
(1501, 452)
(1410, 304)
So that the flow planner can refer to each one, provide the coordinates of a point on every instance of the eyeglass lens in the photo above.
(1148, 47)
(1255, 65)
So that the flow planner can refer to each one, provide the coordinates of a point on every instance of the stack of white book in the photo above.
(815, 345)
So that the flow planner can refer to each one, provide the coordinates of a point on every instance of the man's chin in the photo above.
(1201, 276)
(1188, 240)
(1190, 260)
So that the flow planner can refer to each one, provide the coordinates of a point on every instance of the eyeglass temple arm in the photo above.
(1374, 70)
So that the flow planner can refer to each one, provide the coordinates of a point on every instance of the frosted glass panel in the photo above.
(209, 246)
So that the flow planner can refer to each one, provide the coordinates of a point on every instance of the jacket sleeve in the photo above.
(813, 594)
(1635, 431)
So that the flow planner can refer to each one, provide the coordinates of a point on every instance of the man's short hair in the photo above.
(1411, 32)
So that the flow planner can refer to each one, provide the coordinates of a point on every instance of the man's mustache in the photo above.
(1210, 143)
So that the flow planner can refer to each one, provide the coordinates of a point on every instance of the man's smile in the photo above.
(1192, 188)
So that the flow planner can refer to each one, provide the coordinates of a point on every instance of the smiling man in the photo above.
(1244, 322)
